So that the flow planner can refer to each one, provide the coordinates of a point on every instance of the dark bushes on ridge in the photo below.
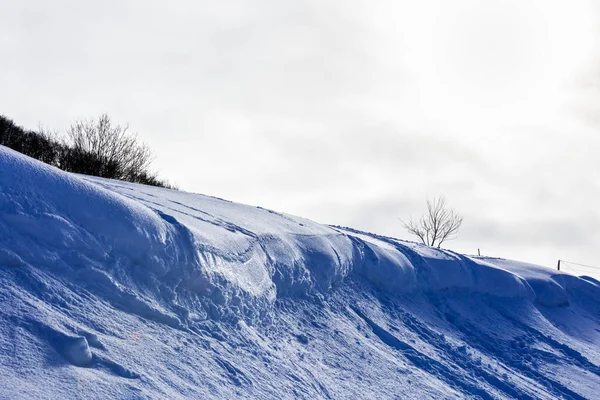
(95, 147)
(38, 145)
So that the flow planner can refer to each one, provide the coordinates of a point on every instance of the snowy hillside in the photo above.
(121, 291)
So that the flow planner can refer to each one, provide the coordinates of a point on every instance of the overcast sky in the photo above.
(345, 112)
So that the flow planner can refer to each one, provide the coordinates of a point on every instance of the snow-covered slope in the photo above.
(116, 290)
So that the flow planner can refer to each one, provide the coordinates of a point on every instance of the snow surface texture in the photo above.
(123, 291)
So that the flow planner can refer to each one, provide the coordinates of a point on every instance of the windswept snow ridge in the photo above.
(117, 290)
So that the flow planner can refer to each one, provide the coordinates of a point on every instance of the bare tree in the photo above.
(97, 147)
(439, 224)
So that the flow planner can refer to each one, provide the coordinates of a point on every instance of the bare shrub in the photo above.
(100, 148)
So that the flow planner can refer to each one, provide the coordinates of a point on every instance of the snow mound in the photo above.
(171, 256)
(90, 265)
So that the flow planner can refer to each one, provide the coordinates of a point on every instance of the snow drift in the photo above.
(118, 290)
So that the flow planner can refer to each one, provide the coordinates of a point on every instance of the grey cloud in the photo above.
(554, 232)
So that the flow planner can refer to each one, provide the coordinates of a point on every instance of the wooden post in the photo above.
(558, 266)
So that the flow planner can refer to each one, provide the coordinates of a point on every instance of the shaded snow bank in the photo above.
(116, 290)
(176, 257)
